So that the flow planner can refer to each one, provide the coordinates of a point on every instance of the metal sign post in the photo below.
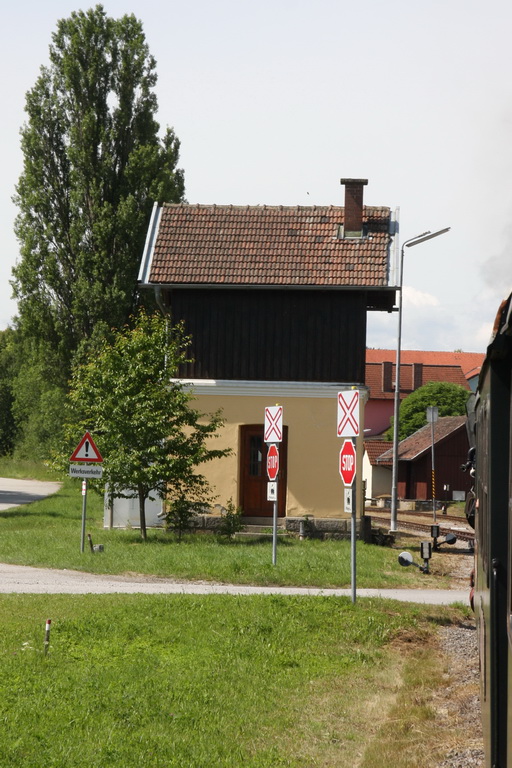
(273, 435)
(86, 453)
(272, 491)
(84, 513)
(274, 532)
(347, 468)
(347, 425)
(353, 546)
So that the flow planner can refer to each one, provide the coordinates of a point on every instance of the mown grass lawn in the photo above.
(208, 682)
(47, 533)
(212, 681)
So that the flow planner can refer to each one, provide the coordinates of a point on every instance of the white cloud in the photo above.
(483, 335)
(415, 298)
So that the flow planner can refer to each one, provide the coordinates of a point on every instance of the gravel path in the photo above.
(15, 492)
(459, 703)
(24, 579)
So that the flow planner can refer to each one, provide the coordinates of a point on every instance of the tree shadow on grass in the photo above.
(7, 514)
(164, 538)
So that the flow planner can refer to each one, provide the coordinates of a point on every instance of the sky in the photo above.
(274, 101)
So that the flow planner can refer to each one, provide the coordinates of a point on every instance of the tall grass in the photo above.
(25, 469)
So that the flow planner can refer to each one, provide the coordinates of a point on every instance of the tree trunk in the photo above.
(142, 512)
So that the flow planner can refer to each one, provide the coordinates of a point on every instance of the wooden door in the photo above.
(253, 473)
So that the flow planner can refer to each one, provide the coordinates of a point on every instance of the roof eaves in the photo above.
(269, 285)
(406, 454)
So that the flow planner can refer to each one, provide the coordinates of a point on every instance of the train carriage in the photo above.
(493, 550)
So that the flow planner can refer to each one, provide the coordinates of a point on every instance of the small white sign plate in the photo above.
(348, 501)
(272, 491)
(91, 471)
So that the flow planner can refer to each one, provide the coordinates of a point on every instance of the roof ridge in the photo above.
(276, 207)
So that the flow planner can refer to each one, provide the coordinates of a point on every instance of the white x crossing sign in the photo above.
(273, 431)
(348, 413)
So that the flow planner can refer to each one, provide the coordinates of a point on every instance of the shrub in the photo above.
(232, 521)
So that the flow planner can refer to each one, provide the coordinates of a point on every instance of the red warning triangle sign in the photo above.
(86, 450)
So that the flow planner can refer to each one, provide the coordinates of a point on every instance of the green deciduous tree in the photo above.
(8, 367)
(150, 437)
(449, 398)
(94, 164)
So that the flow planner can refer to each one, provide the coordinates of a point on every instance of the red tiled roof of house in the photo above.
(470, 362)
(375, 448)
(421, 441)
(380, 380)
(264, 245)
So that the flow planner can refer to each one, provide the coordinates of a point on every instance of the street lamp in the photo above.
(394, 480)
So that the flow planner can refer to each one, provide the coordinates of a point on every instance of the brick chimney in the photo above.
(417, 376)
(353, 206)
(387, 376)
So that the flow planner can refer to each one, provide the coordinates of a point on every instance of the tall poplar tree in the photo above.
(94, 164)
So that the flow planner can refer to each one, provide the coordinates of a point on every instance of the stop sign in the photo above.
(272, 462)
(348, 462)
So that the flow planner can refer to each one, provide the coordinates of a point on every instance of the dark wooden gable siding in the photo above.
(415, 477)
(273, 335)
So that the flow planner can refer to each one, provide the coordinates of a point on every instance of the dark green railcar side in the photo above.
(492, 550)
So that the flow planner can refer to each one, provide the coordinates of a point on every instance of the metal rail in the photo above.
(407, 525)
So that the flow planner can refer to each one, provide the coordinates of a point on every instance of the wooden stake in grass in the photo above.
(47, 636)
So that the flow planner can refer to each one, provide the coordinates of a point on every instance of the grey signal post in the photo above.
(432, 417)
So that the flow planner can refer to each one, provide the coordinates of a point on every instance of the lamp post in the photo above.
(394, 479)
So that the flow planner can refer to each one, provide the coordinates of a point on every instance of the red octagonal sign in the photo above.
(348, 462)
(272, 462)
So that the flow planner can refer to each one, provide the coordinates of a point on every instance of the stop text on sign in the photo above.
(347, 465)
(272, 462)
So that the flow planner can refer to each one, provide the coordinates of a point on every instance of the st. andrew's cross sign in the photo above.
(348, 413)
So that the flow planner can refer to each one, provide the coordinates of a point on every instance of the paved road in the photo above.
(14, 492)
(24, 579)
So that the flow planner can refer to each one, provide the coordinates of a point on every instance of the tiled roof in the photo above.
(470, 362)
(375, 448)
(421, 441)
(425, 374)
(263, 245)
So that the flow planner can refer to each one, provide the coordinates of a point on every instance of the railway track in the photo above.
(453, 526)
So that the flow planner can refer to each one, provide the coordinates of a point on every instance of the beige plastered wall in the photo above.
(314, 485)
(378, 479)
